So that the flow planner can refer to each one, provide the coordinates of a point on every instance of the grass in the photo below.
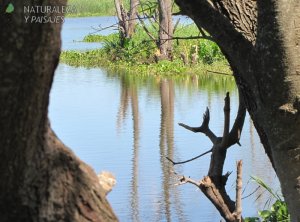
(92, 7)
(277, 212)
(99, 7)
(98, 58)
(137, 55)
(95, 38)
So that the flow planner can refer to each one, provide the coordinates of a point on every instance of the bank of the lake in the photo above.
(138, 54)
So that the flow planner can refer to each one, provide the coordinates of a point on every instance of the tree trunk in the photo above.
(261, 41)
(132, 17)
(127, 20)
(40, 178)
(165, 29)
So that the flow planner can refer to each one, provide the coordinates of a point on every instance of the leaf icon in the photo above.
(10, 8)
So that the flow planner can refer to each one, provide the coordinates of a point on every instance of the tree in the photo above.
(213, 185)
(127, 20)
(260, 39)
(40, 178)
(165, 28)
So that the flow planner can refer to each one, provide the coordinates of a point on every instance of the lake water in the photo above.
(128, 124)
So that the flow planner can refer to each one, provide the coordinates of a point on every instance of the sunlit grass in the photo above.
(137, 54)
(98, 58)
(92, 7)
(100, 7)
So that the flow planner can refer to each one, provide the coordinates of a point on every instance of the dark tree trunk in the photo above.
(165, 29)
(40, 178)
(261, 41)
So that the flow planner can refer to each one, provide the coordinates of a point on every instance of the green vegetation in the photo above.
(92, 7)
(101, 7)
(137, 55)
(96, 38)
(277, 212)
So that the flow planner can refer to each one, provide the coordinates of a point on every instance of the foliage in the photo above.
(141, 49)
(104, 7)
(277, 212)
(98, 58)
(94, 38)
(92, 7)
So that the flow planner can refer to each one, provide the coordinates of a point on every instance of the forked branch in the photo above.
(213, 185)
(204, 128)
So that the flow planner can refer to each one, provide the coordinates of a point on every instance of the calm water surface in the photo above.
(128, 125)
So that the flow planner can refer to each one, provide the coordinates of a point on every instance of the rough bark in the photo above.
(132, 17)
(165, 29)
(127, 19)
(40, 178)
(261, 41)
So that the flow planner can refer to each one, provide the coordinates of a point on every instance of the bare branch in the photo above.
(238, 204)
(224, 143)
(184, 180)
(189, 160)
(221, 73)
(145, 28)
(213, 185)
(176, 25)
(191, 37)
(202, 31)
(236, 131)
(150, 18)
(218, 196)
(204, 128)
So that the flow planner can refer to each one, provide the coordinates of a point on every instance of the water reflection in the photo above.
(125, 124)
(166, 142)
(129, 95)
(170, 197)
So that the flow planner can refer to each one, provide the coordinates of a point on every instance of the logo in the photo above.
(10, 8)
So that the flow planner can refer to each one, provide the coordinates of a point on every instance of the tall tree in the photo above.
(261, 41)
(132, 16)
(165, 28)
(40, 178)
(127, 20)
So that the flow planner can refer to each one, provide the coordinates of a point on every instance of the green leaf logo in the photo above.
(10, 8)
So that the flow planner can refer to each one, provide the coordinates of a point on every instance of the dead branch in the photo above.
(202, 32)
(151, 21)
(204, 128)
(145, 28)
(238, 203)
(225, 137)
(189, 160)
(221, 73)
(190, 37)
(213, 185)
(184, 180)
(236, 131)
(176, 25)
